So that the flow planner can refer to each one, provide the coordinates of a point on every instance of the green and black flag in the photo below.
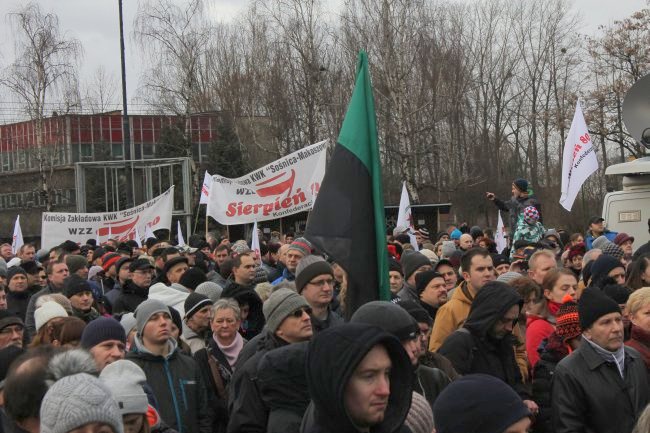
(347, 221)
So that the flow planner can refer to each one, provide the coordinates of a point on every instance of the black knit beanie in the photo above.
(100, 330)
(74, 284)
(389, 317)
(478, 400)
(192, 278)
(423, 279)
(593, 305)
(416, 311)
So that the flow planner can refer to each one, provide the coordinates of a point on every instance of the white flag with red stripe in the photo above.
(205, 188)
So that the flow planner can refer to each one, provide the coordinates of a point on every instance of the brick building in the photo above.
(72, 138)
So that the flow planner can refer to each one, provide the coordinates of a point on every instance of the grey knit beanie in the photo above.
(420, 416)
(448, 248)
(128, 322)
(600, 242)
(77, 400)
(412, 261)
(124, 379)
(280, 304)
(309, 268)
(147, 309)
(506, 277)
(210, 289)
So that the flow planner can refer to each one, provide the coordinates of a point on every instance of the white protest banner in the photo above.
(138, 238)
(255, 242)
(17, 239)
(78, 227)
(179, 234)
(405, 218)
(500, 235)
(205, 188)
(148, 233)
(579, 159)
(283, 187)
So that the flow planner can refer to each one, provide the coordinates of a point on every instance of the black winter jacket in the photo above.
(516, 206)
(216, 402)
(248, 413)
(429, 382)
(333, 356)
(472, 349)
(551, 352)
(130, 297)
(178, 386)
(283, 385)
(589, 395)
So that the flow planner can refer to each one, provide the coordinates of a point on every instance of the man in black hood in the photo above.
(370, 388)
(485, 343)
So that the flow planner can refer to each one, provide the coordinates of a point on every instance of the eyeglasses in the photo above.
(300, 311)
(322, 283)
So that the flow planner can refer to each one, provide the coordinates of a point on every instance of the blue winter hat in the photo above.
(455, 235)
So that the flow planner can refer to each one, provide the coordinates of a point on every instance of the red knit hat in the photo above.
(109, 259)
(567, 319)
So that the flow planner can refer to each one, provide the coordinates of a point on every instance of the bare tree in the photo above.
(45, 62)
(100, 93)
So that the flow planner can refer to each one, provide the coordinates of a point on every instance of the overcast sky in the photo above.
(95, 24)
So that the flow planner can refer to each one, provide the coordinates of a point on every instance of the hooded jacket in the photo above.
(472, 349)
(246, 295)
(283, 385)
(333, 356)
(178, 386)
(516, 206)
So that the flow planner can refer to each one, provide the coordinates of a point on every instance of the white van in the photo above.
(629, 210)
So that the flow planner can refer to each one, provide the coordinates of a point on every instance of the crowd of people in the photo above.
(551, 335)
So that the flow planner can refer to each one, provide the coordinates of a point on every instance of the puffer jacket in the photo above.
(589, 395)
(178, 386)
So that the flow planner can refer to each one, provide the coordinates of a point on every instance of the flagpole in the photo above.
(206, 221)
(196, 220)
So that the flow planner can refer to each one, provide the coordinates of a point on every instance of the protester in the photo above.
(432, 291)
(480, 403)
(136, 288)
(477, 271)
(558, 345)
(556, 285)
(638, 310)
(105, 339)
(49, 322)
(445, 268)
(18, 294)
(428, 382)
(485, 344)
(298, 248)
(174, 377)
(57, 272)
(583, 395)
(11, 329)
(539, 264)
(520, 200)
(315, 282)
(529, 228)
(287, 322)
(639, 273)
(597, 229)
(217, 360)
(79, 292)
(371, 388)
(197, 321)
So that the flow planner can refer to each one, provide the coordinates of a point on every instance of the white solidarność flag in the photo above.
(205, 189)
(579, 160)
(500, 235)
(404, 217)
(255, 241)
(179, 234)
(138, 239)
(17, 240)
